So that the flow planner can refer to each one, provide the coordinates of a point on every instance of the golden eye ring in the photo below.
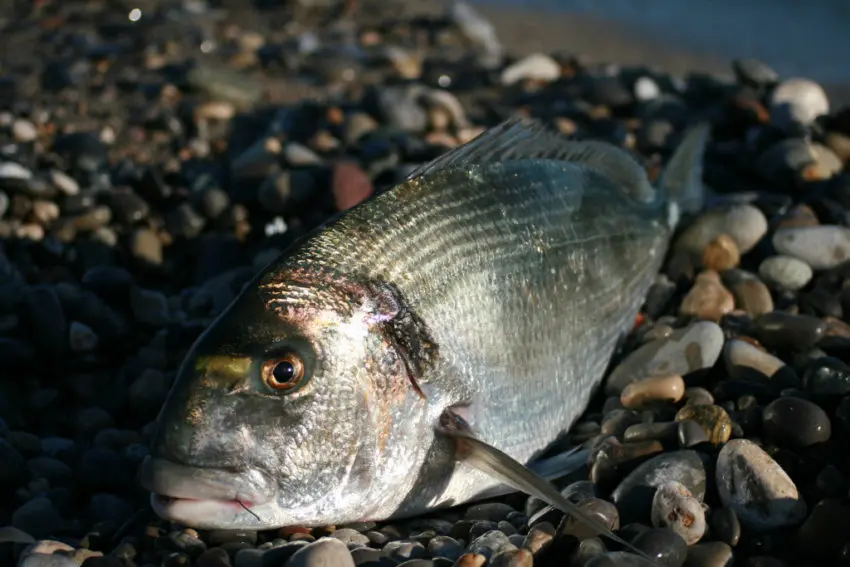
(283, 373)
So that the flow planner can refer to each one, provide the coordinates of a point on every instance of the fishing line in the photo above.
(249, 511)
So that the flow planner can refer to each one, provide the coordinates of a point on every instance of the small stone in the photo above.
(827, 376)
(821, 247)
(445, 546)
(674, 507)
(149, 306)
(743, 359)
(826, 530)
(602, 511)
(797, 102)
(651, 431)
(538, 537)
(645, 393)
(471, 560)
(795, 422)
(634, 494)
(146, 246)
(513, 558)
(713, 419)
(350, 537)
(754, 73)
(82, 338)
(664, 546)
(725, 526)
(490, 543)
(690, 434)
(324, 552)
(785, 272)
(800, 216)
(619, 559)
(710, 554)
(350, 185)
(38, 517)
(744, 223)
(780, 330)
(64, 182)
(537, 67)
(686, 350)
(754, 485)
(721, 254)
(708, 299)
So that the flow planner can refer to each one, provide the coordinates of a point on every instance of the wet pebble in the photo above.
(795, 422)
(647, 392)
(713, 420)
(675, 508)
(710, 554)
(785, 330)
(686, 350)
(633, 496)
(708, 298)
(664, 546)
(725, 526)
(754, 485)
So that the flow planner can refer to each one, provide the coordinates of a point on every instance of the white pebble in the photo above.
(797, 101)
(786, 272)
(675, 508)
(821, 247)
(646, 89)
(537, 66)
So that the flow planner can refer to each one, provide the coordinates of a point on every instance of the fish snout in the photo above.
(176, 481)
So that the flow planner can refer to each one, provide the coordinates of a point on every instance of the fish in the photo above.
(422, 349)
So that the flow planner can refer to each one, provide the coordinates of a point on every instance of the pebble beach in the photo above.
(155, 155)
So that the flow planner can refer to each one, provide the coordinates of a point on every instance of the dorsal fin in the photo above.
(526, 138)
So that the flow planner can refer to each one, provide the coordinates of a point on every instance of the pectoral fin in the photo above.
(488, 459)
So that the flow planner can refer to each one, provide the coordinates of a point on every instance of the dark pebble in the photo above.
(634, 494)
(725, 526)
(796, 422)
(664, 546)
(780, 330)
(826, 377)
(710, 554)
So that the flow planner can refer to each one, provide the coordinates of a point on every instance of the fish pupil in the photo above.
(284, 372)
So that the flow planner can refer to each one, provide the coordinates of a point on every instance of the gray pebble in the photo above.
(821, 247)
(41, 560)
(690, 434)
(754, 485)
(744, 223)
(785, 272)
(490, 544)
(82, 338)
(404, 550)
(754, 73)
(349, 536)
(675, 508)
(686, 350)
(324, 552)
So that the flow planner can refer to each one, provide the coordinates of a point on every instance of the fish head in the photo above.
(295, 407)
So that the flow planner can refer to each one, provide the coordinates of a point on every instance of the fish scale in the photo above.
(488, 292)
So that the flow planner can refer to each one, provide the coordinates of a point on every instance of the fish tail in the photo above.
(681, 180)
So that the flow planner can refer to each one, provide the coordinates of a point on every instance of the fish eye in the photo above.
(284, 373)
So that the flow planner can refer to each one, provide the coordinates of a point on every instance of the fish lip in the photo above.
(171, 481)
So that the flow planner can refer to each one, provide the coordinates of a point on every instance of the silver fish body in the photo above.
(497, 280)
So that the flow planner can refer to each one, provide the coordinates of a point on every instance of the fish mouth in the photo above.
(189, 494)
